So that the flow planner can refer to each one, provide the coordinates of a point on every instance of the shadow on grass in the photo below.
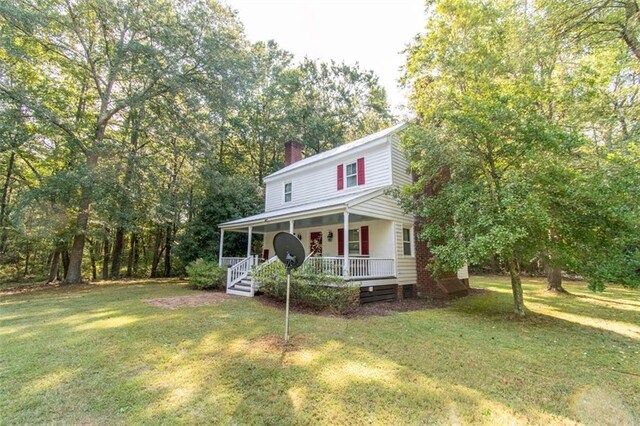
(468, 363)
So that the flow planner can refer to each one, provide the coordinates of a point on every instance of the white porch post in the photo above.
(221, 245)
(394, 238)
(345, 243)
(249, 241)
(291, 226)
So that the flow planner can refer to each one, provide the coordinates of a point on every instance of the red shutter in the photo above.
(340, 242)
(361, 171)
(364, 240)
(340, 177)
(265, 254)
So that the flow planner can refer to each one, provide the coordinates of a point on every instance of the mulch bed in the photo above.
(200, 299)
(370, 309)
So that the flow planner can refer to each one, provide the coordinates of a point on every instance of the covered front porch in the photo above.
(364, 252)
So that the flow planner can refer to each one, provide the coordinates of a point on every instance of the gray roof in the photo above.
(338, 150)
(319, 206)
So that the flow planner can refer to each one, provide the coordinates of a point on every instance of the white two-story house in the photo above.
(337, 203)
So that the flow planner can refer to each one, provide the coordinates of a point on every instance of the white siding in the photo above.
(406, 265)
(319, 181)
(380, 234)
(384, 237)
(384, 207)
(401, 175)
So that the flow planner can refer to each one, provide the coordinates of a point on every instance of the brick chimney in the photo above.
(292, 152)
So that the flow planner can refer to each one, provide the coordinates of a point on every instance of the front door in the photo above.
(315, 243)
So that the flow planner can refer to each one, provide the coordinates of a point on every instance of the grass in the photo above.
(100, 355)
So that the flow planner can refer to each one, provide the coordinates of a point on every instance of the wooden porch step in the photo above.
(239, 292)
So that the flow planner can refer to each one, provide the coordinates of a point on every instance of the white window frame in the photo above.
(349, 241)
(354, 175)
(411, 250)
(290, 193)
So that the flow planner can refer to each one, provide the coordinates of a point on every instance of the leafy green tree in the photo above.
(477, 88)
(512, 152)
(596, 21)
(218, 199)
(92, 51)
(336, 103)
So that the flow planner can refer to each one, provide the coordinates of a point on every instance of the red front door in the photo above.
(315, 243)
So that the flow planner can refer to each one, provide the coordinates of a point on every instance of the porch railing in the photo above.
(230, 261)
(359, 267)
(237, 272)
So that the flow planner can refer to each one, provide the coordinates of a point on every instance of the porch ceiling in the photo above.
(326, 212)
(310, 222)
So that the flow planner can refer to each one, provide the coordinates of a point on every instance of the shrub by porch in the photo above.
(207, 275)
(309, 289)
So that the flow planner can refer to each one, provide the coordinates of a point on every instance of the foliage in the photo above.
(217, 198)
(114, 114)
(206, 275)
(308, 288)
(515, 134)
(596, 22)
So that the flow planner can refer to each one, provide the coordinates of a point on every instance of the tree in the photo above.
(103, 46)
(478, 87)
(336, 103)
(596, 21)
(533, 137)
(216, 200)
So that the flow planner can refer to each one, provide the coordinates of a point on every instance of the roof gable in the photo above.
(348, 147)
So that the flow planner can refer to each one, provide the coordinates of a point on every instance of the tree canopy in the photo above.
(114, 116)
(526, 144)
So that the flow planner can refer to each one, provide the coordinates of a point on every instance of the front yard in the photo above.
(101, 354)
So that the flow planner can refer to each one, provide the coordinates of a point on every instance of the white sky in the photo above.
(370, 32)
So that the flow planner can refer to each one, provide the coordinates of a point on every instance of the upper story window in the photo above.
(353, 173)
(287, 192)
(406, 241)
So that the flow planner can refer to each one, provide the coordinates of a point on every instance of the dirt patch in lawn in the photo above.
(200, 299)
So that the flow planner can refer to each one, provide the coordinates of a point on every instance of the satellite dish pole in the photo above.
(290, 251)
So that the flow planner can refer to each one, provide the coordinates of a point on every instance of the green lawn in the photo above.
(100, 355)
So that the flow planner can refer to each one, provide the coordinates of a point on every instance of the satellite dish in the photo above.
(289, 250)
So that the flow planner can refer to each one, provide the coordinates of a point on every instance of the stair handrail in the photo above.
(265, 265)
(237, 272)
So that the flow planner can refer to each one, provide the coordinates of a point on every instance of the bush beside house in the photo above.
(206, 275)
(309, 289)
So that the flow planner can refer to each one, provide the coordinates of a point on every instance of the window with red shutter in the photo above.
(364, 240)
(361, 171)
(340, 242)
(340, 177)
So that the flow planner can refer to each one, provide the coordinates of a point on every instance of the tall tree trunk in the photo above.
(27, 257)
(93, 256)
(74, 275)
(54, 270)
(554, 280)
(118, 248)
(136, 254)
(157, 252)
(133, 241)
(167, 251)
(4, 202)
(516, 287)
(106, 253)
(65, 262)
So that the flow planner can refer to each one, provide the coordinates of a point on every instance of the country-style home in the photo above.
(338, 204)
